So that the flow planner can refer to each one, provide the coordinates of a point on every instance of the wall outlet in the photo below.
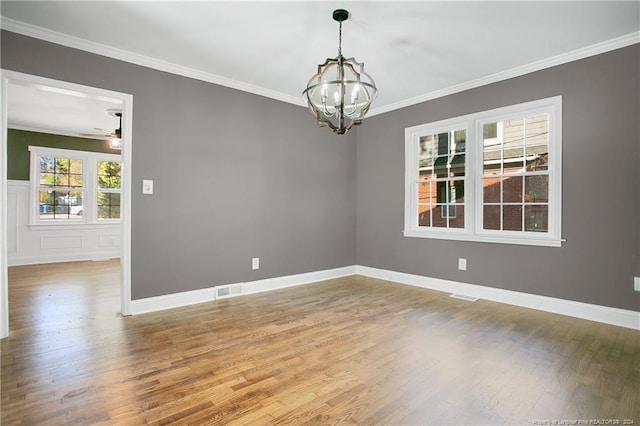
(462, 264)
(255, 263)
(636, 283)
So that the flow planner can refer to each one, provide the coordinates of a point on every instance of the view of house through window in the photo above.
(492, 176)
(515, 178)
(440, 181)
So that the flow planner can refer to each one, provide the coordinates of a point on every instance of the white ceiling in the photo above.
(64, 112)
(414, 50)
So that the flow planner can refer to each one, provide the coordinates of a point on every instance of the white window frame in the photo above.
(473, 227)
(90, 186)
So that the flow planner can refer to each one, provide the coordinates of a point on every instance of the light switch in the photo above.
(147, 186)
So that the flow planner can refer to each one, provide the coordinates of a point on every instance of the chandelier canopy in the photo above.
(340, 94)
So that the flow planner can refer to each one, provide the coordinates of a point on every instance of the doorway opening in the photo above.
(18, 91)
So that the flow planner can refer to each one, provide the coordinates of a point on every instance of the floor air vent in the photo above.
(232, 290)
(464, 297)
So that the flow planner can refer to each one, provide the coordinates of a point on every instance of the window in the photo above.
(493, 176)
(74, 187)
(108, 192)
(440, 179)
(61, 188)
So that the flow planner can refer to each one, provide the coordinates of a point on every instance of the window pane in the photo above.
(439, 216)
(460, 141)
(47, 179)
(490, 130)
(491, 189)
(457, 166)
(75, 180)
(537, 130)
(60, 205)
(424, 215)
(492, 161)
(426, 194)
(426, 157)
(47, 164)
(512, 218)
(456, 216)
(440, 167)
(491, 217)
(108, 205)
(490, 134)
(450, 191)
(61, 179)
(512, 189)
(513, 132)
(537, 158)
(426, 147)
(456, 191)
(536, 189)
(62, 166)
(109, 174)
(513, 160)
(46, 204)
(75, 167)
(536, 218)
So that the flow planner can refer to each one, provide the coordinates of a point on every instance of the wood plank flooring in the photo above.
(347, 351)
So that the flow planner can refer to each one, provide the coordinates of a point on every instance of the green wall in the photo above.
(18, 142)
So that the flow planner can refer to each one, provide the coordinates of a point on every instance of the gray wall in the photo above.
(601, 188)
(235, 175)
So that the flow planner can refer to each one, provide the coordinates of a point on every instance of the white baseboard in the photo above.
(298, 279)
(169, 301)
(604, 314)
(176, 300)
(61, 257)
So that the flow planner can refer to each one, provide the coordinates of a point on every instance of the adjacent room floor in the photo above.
(347, 351)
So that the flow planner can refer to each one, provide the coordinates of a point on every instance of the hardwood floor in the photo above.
(345, 351)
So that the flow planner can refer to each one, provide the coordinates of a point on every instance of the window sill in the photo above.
(463, 236)
(73, 226)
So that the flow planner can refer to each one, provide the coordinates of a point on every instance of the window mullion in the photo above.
(91, 189)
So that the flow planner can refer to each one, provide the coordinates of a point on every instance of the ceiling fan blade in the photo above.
(95, 136)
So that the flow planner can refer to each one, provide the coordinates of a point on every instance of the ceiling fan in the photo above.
(114, 137)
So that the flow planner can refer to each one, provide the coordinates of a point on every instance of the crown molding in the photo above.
(36, 129)
(585, 52)
(146, 61)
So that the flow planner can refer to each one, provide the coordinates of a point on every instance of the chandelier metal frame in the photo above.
(341, 92)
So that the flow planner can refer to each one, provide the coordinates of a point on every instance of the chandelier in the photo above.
(340, 94)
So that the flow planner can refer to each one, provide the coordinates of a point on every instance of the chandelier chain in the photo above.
(340, 40)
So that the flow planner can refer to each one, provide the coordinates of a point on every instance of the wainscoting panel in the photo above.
(60, 242)
(41, 244)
